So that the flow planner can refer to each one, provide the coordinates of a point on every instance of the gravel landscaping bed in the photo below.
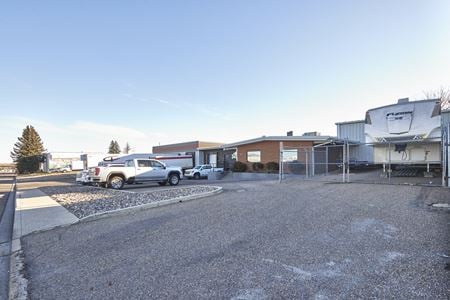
(84, 201)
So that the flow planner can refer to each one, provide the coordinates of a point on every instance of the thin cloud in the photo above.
(19, 123)
(130, 85)
(215, 114)
(162, 101)
(152, 100)
(117, 131)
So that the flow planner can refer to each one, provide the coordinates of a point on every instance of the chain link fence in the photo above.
(411, 162)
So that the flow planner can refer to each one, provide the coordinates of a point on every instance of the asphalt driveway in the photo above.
(256, 240)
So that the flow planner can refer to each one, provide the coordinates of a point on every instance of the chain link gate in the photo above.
(326, 162)
(413, 162)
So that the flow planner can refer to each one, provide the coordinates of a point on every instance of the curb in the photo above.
(20, 289)
(6, 241)
(150, 205)
(131, 209)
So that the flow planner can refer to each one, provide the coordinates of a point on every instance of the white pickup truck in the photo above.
(136, 170)
(201, 171)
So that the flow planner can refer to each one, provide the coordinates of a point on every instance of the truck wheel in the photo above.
(116, 182)
(174, 179)
(197, 176)
(162, 183)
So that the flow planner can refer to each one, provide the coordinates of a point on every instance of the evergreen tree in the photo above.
(28, 150)
(114, 147)
(127, 148)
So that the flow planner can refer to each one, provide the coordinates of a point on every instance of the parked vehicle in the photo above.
(184, 161)
(60, 169)
(136, 170)
(83, 177)
(201, 171)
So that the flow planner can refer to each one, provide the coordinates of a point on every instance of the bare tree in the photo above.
(443, 94)
(127, 148)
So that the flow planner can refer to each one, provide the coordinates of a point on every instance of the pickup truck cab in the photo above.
(137, 170)
(201, 171)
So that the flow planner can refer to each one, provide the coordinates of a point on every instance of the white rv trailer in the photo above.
(405, 133)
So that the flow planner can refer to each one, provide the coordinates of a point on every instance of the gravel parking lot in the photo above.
(84, 201)
(256, 240)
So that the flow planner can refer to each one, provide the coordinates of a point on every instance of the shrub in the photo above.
(257, 166)
(29, 164)
(239, 167)
(272, 167)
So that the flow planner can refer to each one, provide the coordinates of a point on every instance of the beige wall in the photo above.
(182, 147)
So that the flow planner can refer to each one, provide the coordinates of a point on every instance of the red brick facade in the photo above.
(270, 150)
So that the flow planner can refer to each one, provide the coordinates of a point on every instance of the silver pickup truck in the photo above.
(135, 171)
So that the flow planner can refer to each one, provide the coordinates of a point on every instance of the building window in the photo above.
(290, 155)
(254, 156)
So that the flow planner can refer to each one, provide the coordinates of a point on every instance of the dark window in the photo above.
(144, 163)
(129, 163)
(157, 164)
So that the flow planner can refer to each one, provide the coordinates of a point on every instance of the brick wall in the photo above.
(270, 150)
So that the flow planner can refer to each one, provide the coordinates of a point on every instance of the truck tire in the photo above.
(162, 183)
(116, 182)
(197, 176)
(174, 179)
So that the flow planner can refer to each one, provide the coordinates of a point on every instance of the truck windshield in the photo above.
(197, 167)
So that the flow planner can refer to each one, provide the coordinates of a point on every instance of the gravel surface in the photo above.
(84, 201)
(295, 240)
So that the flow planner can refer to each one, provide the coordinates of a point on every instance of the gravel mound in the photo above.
(84, 201)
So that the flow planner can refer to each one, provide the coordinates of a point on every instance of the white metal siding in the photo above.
(362, 153)
(351, 131)
(445, 118)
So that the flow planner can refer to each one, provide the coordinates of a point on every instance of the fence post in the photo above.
(448, 154)
(389, 163)
(313, 162)
(326, 160)
(348, 161)
(306, 163)
(444, 156)
(280, 167)
(343, 162)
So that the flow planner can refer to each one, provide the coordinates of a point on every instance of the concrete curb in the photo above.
(19, 289)
(45, 175)
(6, 232)
(150, 205)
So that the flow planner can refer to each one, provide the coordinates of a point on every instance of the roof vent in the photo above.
(290, 133)
(312, 133)
(403, 100)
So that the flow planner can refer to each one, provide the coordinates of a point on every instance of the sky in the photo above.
(155, 72)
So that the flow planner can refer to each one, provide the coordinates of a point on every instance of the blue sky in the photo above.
(149, 72)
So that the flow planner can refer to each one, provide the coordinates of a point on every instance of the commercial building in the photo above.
(266, 149)
(201, 151)
(73, 160)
